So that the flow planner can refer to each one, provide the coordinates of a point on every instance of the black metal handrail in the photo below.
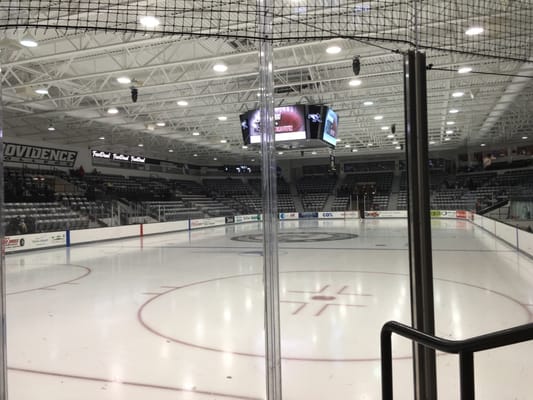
(465, 348)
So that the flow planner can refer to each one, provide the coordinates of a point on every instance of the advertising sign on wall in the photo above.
(27, 154)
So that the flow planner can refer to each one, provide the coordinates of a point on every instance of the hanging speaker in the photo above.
(356, 65)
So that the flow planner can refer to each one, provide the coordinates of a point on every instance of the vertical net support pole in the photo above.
(419, 222)
(270, 209)
(3, 332)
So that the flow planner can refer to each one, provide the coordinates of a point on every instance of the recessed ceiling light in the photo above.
(370, 144)
(244, 147)
(447, 139)
(140, 145)
(450, 123)
(355, 82)
(368, 103)
(195, 155)
(395, 142)
(28, 42)
(253, 160)
(482, 144)
(280, 153)
(149, 21)
(112, 110)
(124, 80)
(313, 153)
(339, 140)
(458, 94)
(474, 30)
(41, 91)
(223, 141)
(222, 118)
(51, 128)
(215, 159)
(354, 150)
(431, 142)
(347, 146)
(160, 124)
(390, 136)
(378, 117)
(220, 67)
(333, 50)
(102, 138)
(524, 137)
(453, 111)
(196, 133)
(398, 147)
(183, 103)
(384, 128)
(464, 70)
(170, 151)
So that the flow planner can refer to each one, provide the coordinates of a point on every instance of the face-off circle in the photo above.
(326, 316)
(298, 237)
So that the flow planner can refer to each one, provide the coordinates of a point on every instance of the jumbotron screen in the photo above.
(293, 123)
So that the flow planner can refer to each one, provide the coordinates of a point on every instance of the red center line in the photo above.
(135, 384)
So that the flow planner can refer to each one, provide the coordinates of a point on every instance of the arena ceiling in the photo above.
(182, 99)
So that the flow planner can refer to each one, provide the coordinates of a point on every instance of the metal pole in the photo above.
(466, 375)
(419, 221)
(3, 333)
(270, 209)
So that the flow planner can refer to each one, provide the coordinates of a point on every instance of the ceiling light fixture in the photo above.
(51, 128)
(378, 117)
(368, 103)
(355, 82)
(474, 30)
(28, 41)
(244, 147)
(395, 142)
(160, 124)
(112, 110)
(195, 155)
(149, 21)
(447, 139)
(222, 118)
(390, 136)
(482, 144)
(453, 111)
(313, 153)
(333, 50)
(384, 128)
(431, 142)
(223, 141)
(398, 147)
(183, 103)
(464, 70)
(102, 138)
(458, 94)
(215, 159)
(42, 91)
(196, 133)
(524, 137)
(450, 123)
(124, 80)
(449, 132)
(347, 146)
(370, 144)
(170, 151)
(354, 150)
(140, 145)
(220, 67)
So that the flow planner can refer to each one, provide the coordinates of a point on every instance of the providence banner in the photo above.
(28, 154)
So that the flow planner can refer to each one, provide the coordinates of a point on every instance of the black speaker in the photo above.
(356, 65)
(134, 94)
(393, 129)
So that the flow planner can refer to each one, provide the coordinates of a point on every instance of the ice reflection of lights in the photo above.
(200, 330)
(314, 339)
(342, 311)
(227, 315)
(227, 359)
(164, 351)
(188, 384)
(248, 303)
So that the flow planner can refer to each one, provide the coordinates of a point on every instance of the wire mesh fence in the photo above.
(448, 26)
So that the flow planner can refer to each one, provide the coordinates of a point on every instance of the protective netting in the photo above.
(434, 24)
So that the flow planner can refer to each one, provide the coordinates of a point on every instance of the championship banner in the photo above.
(28, 154)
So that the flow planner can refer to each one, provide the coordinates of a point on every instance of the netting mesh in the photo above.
(434, 24)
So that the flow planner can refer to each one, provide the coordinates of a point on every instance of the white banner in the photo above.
(34, 241)
(206, 222)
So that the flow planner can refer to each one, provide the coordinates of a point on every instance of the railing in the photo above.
(465, 348)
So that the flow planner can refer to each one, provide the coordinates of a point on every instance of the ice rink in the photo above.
(180, 316)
